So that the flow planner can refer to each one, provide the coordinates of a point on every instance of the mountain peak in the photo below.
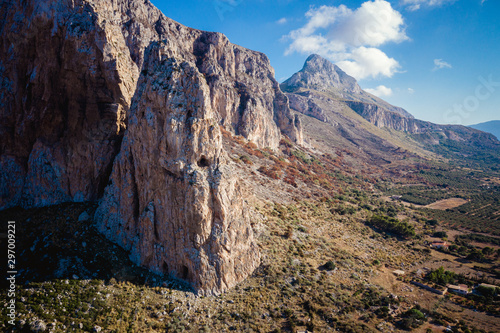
(316, 63)
(320, 74)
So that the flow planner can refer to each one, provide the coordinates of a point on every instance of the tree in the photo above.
(440, 234)
(412, 318)
(442, 277)
(487, 251)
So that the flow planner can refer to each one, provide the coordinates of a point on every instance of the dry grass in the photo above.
(447, 204)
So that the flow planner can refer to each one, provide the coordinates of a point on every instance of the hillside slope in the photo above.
(345, 115)
(492, 127)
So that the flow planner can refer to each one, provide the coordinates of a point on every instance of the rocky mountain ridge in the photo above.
(115, 101)
(322, 90)
(492, 127)
(320, 75)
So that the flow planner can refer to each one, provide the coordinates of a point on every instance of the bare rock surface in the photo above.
(320, 74)
(69, 70)
(112, 100)
(381, 118)
(173, 201)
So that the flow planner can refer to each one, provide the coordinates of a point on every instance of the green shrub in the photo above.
(330, 265)
(412, 318)
(442, 277)
(392, 225)
(440, 234)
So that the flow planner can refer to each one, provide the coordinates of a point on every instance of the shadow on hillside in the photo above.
(61, 242)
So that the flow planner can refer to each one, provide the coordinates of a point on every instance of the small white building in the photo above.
(461, 289)
(440, 245)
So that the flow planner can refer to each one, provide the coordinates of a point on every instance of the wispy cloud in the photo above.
(411, 91)
(380, 91)
(282, 20)
(414, 5)
(439, 64)
(351, 38)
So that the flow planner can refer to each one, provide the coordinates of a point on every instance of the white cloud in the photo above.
(350, 37)
(439, 64)
(282, 20)
(411, 91)
(414, 5)
(380, 91)
(369, 62)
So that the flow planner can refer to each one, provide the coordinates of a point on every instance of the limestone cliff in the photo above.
(65, 94)
(307, 105)
(114, 101)
(382, 118)
(68, 71)
(172, 201)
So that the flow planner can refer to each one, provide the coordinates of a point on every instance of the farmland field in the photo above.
(447, 204)
(457, 197)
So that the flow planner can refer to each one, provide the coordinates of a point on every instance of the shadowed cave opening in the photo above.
(184, 272)
(203, 162)
(165, 268)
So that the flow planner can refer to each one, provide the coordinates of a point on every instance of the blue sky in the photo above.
(438, 59)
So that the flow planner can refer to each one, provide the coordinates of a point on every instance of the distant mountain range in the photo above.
(492, 127)
(347, 116)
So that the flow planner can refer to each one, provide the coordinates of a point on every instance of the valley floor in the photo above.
(336, 255)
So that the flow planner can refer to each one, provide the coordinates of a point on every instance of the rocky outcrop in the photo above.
(65, 94)
(172, 201)
(383, 118)
(68, 72)
(113, 100)
(305, 104)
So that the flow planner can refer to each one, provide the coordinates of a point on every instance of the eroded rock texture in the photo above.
(113, 100)
(172, 201)
(63, 103)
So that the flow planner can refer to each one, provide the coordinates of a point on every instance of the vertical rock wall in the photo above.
(172, 201)
(112, 100)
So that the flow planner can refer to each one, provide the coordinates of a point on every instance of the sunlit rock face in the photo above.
(113, 101)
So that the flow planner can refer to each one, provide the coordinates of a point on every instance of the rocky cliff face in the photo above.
(381, 118)
(172, 200)
(69, 70)
(306, 104)
(65, 94)
(78, 77)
